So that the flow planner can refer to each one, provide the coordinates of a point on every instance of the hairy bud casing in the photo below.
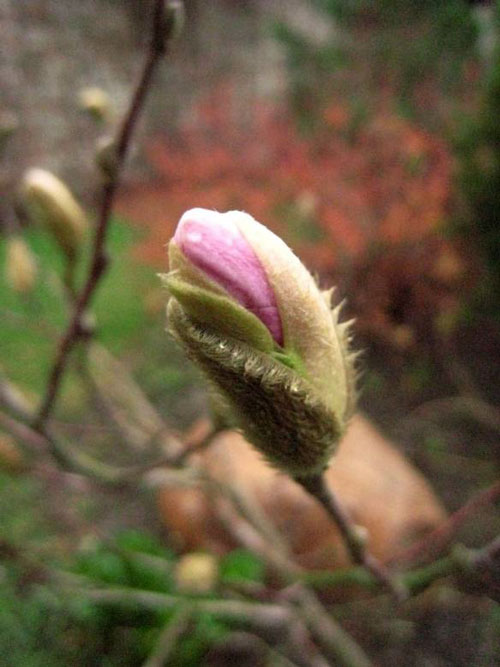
(253, 319)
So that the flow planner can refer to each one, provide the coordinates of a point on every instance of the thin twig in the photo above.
(488, 555)
(264, 617)
(99, 258)
(251, 511)
(332, 638)
(180, 458)
(34, 441)
(318, 488)
(76, 460)
(438, 539)
(240, 639)
(460, 561)
(267, 619)
(244, 532)
(13, 400)
(172, 633)
(478, 409)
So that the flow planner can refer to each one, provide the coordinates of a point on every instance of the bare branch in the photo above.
(332, 638)
(175, 629)
(438, 539)
(99, 258)
(468, 565)
(24, 434)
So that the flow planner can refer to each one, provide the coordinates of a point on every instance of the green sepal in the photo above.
(209, 304)
(221, 313)
(290, 359)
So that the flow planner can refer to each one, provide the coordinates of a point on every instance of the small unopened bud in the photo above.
(253, 318)
(106, 156)
(20, 265)
(196, 573)
(97, 103)
(175, 17)
(50, 202)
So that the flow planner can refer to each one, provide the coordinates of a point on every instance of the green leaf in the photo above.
(134, 540)
(241, 565)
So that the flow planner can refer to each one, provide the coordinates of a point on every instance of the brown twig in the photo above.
(335, 642)
(331, 637)
(247, 642)
(438, 539)
(73, 459)
(488, 555)
(484, 413)
(13, 400)
(263, 617)
(169, 638)
(266, 619)
(34, 441)
(249, 532)
(241, 529)
(468, 565)
(197, 447)
(99, 258)
(318, 488)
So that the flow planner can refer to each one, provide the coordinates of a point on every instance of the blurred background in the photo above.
(367, 135)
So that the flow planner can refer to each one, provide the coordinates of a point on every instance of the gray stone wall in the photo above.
(53, 48)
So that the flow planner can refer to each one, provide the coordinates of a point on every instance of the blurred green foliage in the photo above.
(395, 44)
(423, 57)
(41, 624)
(478, 152)
(30, 323)
(128, 309)
(241, 565)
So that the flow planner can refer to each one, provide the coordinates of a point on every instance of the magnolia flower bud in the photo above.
(252, 317)
(49, 202)
(20, 265)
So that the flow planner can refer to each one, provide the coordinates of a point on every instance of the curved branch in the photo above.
(99, 259)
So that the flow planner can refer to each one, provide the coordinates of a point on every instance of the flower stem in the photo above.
(317, 487)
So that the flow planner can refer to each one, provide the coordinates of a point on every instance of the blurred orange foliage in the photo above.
(386, 180)
(344, 197)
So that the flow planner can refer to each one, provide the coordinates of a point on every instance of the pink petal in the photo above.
(213, 243)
